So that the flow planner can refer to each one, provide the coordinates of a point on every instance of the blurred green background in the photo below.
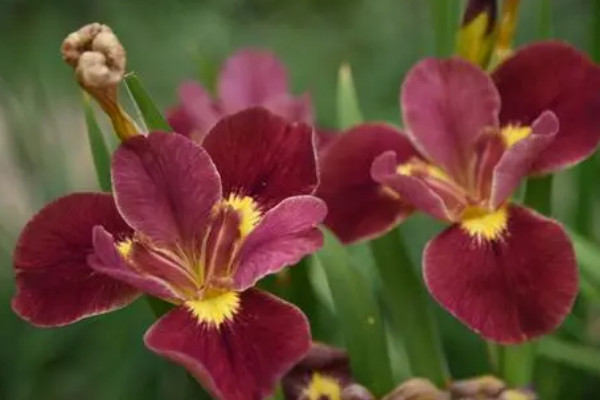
(44, 153)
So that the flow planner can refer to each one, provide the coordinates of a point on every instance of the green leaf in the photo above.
(348, 109)
(570, 354)
(98, 147)
(145, 106)
(410, 308)
(588, 257)
(358, 316)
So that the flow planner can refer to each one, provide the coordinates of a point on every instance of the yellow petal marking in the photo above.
(124, 247)
(483, 224)
(322, 386)
(248, 209)
(512, 134)
(215, 309)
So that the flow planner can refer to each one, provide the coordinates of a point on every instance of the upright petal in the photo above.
(292, 108)
(447, 105)
(55, 285)
(509, 290)
(287, 233)
(553, 76)
(242, 359)
(359, 207)
(249, 78)
(261, 155)
(196, 113)
(516, 162)
(165, 187)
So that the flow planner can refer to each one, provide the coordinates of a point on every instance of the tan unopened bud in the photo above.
(356, 392)
(521, 394)
(481, 387)
(417, 389)
(99, 61)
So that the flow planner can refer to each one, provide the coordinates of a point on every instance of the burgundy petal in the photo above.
(196, 114)
(55, 285)
(165, 187)
(249, 78)
(553, 76)
(286, 233)
(261, 155)
(509, 290)
(107, 260)
(358, 207)
(294, 109)
(242, 359)
(447, 105)
(412, 190)
(516, 162)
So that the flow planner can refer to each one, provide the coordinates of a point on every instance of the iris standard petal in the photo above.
(242, 359)
(249, 78)
(55, 285)
(557, 77)
(263, 156)
(447, 105)
(292, 108)
(286, 233)
(512, 289)
(359, 207)
(165, 187)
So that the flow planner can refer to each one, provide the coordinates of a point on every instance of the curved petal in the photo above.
(553, 76)
(107, 260)
(165, 187)
(249, 78)
(510, 290)
(196, 113)
(242, 359)
(516, 161)
(286, 233)
(261, 155)
(55, 285)
(447, 105)
(360, 208)
(413, 190)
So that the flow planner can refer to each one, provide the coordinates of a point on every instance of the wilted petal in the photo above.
(261, 155)
(196, 113)
(512, 289)
(412, 189)
(358, 206)
(516, 162)
(165, 187)
(107, 260)
(242, 359)
(55, 285)
(447, 105)
(553, 76)
(286, 233)
(249, 78)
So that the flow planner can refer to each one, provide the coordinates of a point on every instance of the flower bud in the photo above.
(481, 387)
(477, 33)
(99, 61)
(417, 389)
(355, 391)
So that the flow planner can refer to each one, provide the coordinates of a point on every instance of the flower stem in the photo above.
(410, 308)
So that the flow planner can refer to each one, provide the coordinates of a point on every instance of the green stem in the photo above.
(410, 308)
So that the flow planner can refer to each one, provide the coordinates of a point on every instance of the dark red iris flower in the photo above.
(504, 270)
(323, 374)
(197, 227)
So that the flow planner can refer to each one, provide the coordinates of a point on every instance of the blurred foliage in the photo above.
(44, 153)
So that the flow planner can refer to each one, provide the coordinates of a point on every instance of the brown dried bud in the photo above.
(481, 387)
(96, 54)
(417, 389)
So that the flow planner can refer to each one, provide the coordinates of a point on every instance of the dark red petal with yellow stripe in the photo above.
(55, 285)
(557, 77)
(261, 155)
(447, 105)
(286, 233)
(165, 188)
(359, 207)
(249, 78)
(515, 288)
(242, 359)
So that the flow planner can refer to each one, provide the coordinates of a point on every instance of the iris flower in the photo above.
(194, 226)
(323, 374)
(503, 269)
